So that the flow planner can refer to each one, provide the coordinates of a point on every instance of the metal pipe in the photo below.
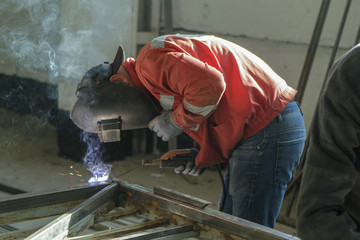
(357, 39)
(168, 16)
(312, 50)
(338, 37)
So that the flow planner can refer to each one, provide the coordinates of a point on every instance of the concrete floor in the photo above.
(29, 161)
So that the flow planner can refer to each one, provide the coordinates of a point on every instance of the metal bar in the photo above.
(169, 233)
(357, 38)
(89, 220)
(33, 200)
(181, 197)
(312, 50)
(116, 215)
(122, 230)
(17, 234)
(212, 218)
(337, 40)
(59, 227)
(290, 204)
(168, 16)
(36, 213)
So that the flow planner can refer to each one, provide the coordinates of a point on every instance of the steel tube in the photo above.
(39, 199)
(357, 39)
(337, 40)
(312, 50)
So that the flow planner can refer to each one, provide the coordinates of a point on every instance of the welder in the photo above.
(239, 112)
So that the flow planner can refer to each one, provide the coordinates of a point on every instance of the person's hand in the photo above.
(189, 169)
(164, 126)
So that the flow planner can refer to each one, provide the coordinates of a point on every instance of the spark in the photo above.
(100, 172)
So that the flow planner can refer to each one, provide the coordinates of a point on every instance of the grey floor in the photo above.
(29, 161)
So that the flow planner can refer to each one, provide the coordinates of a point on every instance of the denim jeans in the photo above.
(261, 166)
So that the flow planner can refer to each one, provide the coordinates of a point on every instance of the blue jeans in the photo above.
(261, 166)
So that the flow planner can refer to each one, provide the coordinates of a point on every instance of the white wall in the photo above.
(91, 32)
(57, 41)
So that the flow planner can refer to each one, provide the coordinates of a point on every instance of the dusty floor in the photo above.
(29, 161)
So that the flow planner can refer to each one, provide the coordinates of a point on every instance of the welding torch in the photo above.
(173, 158)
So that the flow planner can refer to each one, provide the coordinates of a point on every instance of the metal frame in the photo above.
(85, 210)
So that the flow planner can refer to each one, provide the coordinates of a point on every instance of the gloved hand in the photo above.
(164, 126)
(190, 167)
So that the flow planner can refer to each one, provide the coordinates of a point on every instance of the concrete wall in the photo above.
(57, 40)
(90, 34)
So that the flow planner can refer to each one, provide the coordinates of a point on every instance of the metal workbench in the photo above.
(120, 210)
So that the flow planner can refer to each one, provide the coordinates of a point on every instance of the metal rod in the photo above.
(37, 213)
(291, 202)
(168, 16)
(38, 199)
(122, 230)
(115, 215)
(312, 50)
(357, 39)
(181, 197)
(337, 40)
(129, 170)
(60, 227)
(169, 233)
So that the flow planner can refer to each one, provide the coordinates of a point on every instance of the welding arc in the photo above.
(130, 170)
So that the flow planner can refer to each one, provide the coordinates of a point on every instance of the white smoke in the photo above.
(28, 35)
(94, 158)
(38, 41)
(57, 41)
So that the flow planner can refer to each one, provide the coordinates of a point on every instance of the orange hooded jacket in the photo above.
(220, 92)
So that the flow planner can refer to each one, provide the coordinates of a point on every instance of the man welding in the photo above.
(237, 109)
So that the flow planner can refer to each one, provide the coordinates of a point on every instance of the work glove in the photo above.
(164, 126)
(190, 167)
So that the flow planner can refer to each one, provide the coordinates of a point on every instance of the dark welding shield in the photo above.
(106, 108)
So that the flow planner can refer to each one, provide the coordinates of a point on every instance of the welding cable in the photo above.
(130, 170)
(223, 195)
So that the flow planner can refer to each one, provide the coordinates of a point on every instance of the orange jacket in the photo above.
(220, 92)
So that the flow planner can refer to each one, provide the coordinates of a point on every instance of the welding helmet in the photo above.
(106, 108)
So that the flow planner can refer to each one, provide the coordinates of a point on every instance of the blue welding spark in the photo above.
(100, 172)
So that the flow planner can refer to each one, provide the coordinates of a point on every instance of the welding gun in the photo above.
(173, 158)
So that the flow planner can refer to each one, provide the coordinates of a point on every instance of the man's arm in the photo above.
(177, 74)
